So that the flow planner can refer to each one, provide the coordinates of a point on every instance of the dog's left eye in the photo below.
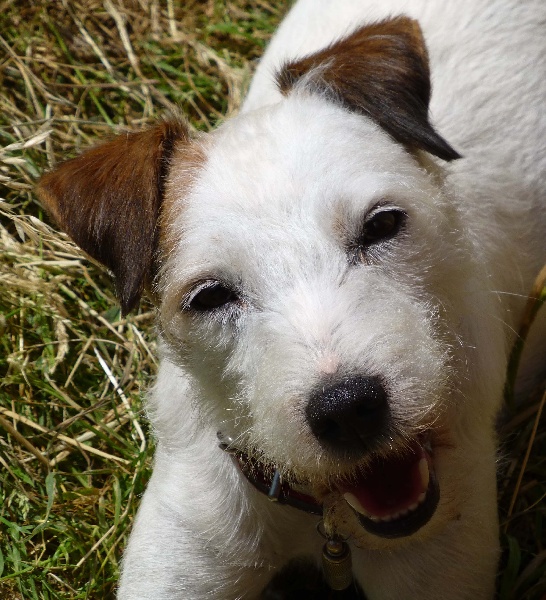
(210, 296)
(382, 225)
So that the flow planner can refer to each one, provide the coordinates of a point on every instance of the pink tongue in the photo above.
(389, 486)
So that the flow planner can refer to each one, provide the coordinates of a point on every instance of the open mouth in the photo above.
(394, 497)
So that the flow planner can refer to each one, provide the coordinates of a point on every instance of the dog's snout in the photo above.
(349, 416)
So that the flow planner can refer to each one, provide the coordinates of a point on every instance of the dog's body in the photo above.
(331, 298)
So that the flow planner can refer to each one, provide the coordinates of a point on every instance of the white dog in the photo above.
(338, 289)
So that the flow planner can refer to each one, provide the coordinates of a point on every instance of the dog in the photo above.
(339, 272)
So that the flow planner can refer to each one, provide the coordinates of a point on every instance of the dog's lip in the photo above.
(394, 497)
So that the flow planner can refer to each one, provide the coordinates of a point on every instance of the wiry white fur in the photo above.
(284, 185)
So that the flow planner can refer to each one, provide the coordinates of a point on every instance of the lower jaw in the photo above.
(408, 524)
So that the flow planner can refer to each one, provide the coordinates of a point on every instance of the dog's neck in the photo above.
(336, 554)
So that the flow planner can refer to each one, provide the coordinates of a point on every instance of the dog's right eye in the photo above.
(382, 225)
(210, 296)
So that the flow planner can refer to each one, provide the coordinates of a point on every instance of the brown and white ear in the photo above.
(108, 201)
(381, 71)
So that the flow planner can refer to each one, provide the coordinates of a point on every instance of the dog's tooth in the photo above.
(388, 518)
(413, 506)
(424, 473)
(421, 498)
(353, 501)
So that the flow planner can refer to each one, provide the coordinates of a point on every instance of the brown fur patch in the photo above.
(381, 71)
(108, 201)
(186, 162)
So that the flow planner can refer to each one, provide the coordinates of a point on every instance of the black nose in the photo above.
(350, 416)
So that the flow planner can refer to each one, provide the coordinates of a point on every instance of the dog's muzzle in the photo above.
(396, 492)
(392, 486)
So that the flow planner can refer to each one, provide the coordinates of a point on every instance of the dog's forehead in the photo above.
(285, 175)
(296, 154)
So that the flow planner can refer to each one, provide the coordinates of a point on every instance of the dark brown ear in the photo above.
(108, 201)
(381, 71)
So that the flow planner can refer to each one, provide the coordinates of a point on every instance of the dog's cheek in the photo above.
(271, 376)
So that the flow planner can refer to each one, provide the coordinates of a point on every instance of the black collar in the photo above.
(272, 485)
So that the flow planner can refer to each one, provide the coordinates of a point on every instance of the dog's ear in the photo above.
(381, 71)
(108, 201)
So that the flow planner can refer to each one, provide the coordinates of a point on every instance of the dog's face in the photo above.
(310, 275)
(307, 291)
(300, 260)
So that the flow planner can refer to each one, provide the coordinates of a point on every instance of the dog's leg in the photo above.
(202, 531)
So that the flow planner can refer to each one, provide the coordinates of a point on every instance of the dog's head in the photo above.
(308, 268)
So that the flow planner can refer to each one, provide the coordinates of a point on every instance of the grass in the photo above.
(75, 453)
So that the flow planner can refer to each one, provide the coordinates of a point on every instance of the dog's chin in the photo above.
(394, 496)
